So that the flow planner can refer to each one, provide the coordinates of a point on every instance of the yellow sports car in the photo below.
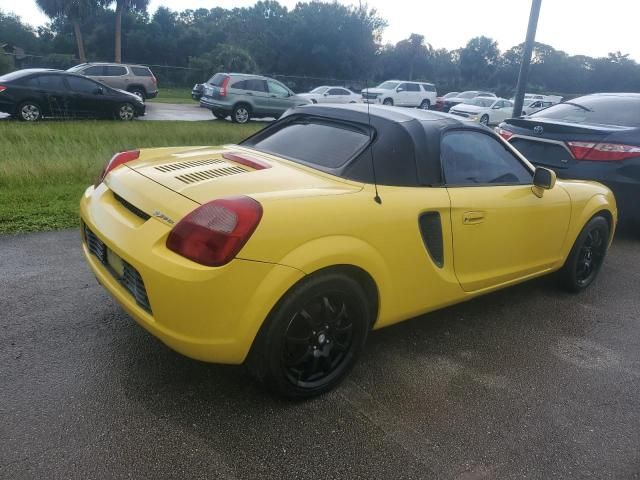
(282, 252)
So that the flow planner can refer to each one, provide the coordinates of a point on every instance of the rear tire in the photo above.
(138, 92)
(241, 113)
(587, 255)
(313, 336)
(29, 111)
(425, 105)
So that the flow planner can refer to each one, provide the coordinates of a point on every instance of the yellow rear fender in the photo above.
(342, 250)
(599, 203)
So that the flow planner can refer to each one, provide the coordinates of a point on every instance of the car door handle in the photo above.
(249, 93)
(472, 218)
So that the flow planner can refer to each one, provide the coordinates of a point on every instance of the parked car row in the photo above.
(33, 94)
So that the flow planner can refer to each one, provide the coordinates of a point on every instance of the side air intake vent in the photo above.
(431, 230)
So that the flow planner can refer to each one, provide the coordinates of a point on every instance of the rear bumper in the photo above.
(209, 314)
(218, 106)
(152, 94)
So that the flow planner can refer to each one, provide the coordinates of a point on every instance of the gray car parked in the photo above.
(136, 79)
(244, 96)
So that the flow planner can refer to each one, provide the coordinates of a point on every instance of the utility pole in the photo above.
(526, 57)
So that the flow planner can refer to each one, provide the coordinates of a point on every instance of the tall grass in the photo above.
(53, 152)
(45, 167)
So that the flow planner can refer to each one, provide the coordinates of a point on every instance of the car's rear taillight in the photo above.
(223, 87)
(154, 80)
(214, 233)
(117, 160)
(2, 88)
(506, 134)
(602, 152)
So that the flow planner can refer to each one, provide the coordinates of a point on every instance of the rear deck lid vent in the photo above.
(170, 167)
(203, 175)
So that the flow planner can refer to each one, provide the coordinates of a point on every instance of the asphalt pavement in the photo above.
(526, 383)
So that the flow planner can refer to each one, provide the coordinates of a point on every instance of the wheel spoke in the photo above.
(307, 318)
(293, 361)
(298, 340)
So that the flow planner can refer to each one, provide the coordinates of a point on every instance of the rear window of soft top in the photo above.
(316, 142)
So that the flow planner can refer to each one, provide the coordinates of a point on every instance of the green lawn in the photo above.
(173, 95)
(45, 167)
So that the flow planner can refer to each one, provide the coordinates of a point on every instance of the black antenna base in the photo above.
(377, 199)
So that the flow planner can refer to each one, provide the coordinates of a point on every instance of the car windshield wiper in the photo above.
(587, 109)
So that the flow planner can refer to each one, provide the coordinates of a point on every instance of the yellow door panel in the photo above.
(503, 233)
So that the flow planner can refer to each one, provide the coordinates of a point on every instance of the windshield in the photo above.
(596, 109)
(480, 102)
(468, 95)
(388, 85)
(319, 90)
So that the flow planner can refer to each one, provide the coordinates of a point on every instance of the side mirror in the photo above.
(98, 91)
(326, 94)
(496, 107)
(543, 179)
(400, 89)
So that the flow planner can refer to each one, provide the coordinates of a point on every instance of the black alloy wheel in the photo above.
(313, 337)
(587, 255)
(318, 339)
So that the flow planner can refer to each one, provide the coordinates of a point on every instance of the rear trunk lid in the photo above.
(202, 174)
(543, 141)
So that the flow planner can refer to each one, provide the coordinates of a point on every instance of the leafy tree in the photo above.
(75, 11)
(479, 60)
(225, 58)
(123, 6)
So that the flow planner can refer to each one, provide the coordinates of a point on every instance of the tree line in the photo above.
(314, 39)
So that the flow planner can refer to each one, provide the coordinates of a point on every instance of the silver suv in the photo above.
(136, 79)
(244, 96)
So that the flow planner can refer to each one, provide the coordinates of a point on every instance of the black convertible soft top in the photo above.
(405, 142)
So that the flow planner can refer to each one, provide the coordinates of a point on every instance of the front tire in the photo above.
(241, 113)
(388, 102)
(587, 255)
(484, 120)
(125, 112)
(313, 337)
(29, 112)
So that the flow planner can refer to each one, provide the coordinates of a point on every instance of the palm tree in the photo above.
(74, 10)
(121, 7)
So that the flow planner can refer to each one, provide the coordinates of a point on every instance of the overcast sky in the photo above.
(589, 27)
